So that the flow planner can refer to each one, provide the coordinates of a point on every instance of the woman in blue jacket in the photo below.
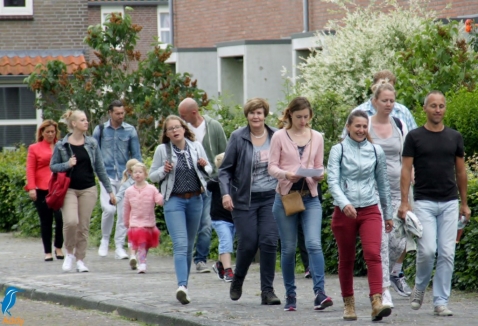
(356, 168)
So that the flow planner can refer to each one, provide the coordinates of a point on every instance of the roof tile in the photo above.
(25, 65)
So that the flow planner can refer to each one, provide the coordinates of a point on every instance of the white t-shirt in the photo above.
(200, 131)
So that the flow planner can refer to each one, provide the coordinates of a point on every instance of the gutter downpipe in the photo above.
(171, 19)
(305, 5)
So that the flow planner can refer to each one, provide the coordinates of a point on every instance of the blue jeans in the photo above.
(225, 232)
(182, 219)
(203, 241)
(311, 221)
(439, 221)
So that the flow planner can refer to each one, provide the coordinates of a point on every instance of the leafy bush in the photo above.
(147, 85)
(366, 40)
(451, 66)
(330, 115)
(462, 115)
(12, 180)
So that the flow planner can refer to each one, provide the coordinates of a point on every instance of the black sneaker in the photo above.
(218, 269)
(235, 291)
(269, 298)
(290, 303)
(322, 301)
(307, 273)
(228, 275)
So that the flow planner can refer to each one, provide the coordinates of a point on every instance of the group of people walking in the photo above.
(369, 174)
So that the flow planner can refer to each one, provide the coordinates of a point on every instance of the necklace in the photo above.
(259, 136)
(298, 135)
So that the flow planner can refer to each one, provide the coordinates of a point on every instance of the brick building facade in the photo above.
(206, 23)
(227, 44)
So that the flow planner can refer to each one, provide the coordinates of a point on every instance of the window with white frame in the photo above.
(164, 25)
(16, 7)
(107, 10)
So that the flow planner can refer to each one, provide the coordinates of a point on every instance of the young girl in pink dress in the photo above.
(139, 216)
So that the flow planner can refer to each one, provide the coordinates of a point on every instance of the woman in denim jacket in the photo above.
(356, 168)
(180, 164)
(80, 156)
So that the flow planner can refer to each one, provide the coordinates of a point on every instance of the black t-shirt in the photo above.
(434, 155)
(82, 175)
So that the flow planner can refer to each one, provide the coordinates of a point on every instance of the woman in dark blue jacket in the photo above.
(248, 191)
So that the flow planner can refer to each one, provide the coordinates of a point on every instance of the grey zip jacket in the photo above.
(61, 155)
(355, 175)
(235, 173)
(157, 174)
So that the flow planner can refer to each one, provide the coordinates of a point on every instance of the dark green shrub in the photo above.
(12, 181)
(450, 66)
(462, 115)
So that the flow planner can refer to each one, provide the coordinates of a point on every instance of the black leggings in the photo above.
(46, 222)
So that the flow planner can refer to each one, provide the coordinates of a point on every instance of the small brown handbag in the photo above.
(293, 202)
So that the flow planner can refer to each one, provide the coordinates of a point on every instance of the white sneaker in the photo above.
(120, 254)
(387, 298)
(442, 311)
(103, 249)
(68, 262)
(182, 295)
(142, 268)
(133, 262)
(80, 267)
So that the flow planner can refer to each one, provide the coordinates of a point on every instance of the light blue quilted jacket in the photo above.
(355, 172)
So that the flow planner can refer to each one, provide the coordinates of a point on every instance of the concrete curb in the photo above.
(132, 311)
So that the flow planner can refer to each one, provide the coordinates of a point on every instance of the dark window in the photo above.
(14, 135)
(17, 103)
(14, 3)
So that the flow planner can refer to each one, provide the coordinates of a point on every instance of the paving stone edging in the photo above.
(133, 311)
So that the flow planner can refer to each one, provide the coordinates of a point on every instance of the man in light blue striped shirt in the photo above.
(399, 111)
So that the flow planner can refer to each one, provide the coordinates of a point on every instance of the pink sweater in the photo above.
(284, 157)
(139, 206)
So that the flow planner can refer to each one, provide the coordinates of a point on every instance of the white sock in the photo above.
(397, 268)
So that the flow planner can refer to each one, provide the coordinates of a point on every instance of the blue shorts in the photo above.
(225, 232)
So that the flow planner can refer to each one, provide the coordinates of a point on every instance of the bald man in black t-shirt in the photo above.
(436, 152)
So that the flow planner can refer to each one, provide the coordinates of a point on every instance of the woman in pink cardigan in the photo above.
(38, 177)
(139, 217)
(298, 146)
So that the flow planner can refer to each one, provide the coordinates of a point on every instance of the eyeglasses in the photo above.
(172, 129)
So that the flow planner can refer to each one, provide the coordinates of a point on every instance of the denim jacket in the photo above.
(117, 147)
(157, 174)
(356, 173)
(61, 155)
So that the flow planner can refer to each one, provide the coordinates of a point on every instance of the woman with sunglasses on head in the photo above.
(38, 178)
(180, 164)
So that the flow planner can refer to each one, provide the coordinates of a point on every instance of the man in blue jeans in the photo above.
(118, 142)
(210, 134)
(436, 152)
